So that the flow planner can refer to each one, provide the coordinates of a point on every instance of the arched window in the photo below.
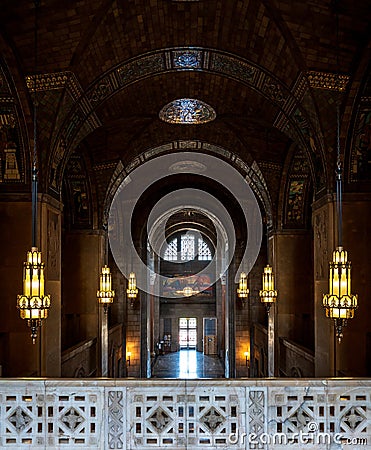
(186, 247)
(171, 251)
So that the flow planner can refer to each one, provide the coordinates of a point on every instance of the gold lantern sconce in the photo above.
(33, 304)
(268, 294)
(128, 358)
(132, 290)
(105, 294)
(247, 359)
(242, 290)
(339, 303)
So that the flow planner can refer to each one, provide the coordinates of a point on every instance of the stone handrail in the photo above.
(209, 413)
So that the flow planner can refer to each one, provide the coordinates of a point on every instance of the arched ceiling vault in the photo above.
(105, 70)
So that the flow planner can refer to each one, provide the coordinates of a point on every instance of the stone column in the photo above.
(43, 358)
(294, 282)
(225, 300)
(292, 262)
(272, 319)
(83, 252)
(354, 351)
(324, 233)
(103, 338)
(50, 217)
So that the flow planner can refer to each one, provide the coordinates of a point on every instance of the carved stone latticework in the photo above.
(354, 419)
(72, 419)
(116, 437)
(257, 417)
(159, 419)
(300, 419)
(273, 414)
(212, 419)
(19, 419)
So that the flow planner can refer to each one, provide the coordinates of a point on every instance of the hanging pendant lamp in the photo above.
(242, 290)
(339, 303)
(33, 304)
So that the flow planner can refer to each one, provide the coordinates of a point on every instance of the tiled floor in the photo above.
(187, 364)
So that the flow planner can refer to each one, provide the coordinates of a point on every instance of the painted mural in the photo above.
(361, 154)
(187, 286)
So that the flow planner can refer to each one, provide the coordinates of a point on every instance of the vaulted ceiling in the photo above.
(268, 68)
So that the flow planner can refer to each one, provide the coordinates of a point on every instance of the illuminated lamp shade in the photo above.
(188, 291)
(247, 358)
(132, 290)
(242, 290)
(339, 303)
(105, 294)
(33, 304)
(268, 294)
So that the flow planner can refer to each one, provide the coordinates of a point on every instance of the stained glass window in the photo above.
(187, 247)
(190, 246)
(171, 251)
(187, 111)
(204, 252)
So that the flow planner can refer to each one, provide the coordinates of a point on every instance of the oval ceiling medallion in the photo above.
(187, 166)
(187, 111)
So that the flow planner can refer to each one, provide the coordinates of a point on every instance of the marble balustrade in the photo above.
(220, 413)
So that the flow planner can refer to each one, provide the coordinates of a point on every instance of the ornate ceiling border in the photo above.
(13, 132)
(252, 174)
(298, 126)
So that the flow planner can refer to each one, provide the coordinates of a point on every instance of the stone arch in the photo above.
(291, 120)
(252, 173)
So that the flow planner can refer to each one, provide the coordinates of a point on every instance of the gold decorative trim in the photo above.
(7, 120)
(105, 166)
(48, 82)
(327, 80)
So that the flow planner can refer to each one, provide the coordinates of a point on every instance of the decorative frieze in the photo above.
(187, 59)
(327, 80)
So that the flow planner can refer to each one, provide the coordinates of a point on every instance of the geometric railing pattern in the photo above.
(187, 414)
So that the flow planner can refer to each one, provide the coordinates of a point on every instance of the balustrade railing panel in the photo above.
(185, 414)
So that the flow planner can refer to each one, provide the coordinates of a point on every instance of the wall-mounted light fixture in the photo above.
(247, 359)
(132, 290)
(242, 290)
(268, 294)
(105, 294)
(128, 355)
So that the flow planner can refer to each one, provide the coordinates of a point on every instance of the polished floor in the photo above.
(187, 364)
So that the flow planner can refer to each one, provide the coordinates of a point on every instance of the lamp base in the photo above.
(34, 324)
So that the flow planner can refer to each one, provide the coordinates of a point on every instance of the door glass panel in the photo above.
(187, 332)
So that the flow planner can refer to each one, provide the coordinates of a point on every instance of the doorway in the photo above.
(187, 332)
(209, 338)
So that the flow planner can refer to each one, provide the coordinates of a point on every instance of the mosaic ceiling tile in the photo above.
(187, 111)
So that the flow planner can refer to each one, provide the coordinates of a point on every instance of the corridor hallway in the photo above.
(187, 364)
